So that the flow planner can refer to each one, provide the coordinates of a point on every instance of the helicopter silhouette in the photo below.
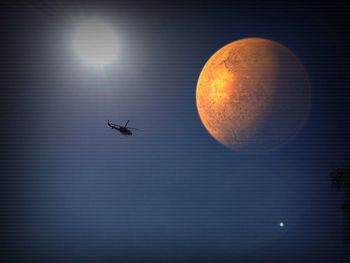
(122, 129)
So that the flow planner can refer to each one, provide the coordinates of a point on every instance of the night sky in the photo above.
(73, 190)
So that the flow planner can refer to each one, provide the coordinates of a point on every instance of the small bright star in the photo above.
(281, 224)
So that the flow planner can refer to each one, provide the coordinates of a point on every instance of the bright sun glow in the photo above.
(95, 42)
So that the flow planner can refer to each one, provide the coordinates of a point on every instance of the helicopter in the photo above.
(122, 129)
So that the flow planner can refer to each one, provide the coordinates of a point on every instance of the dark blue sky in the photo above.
(73, 190)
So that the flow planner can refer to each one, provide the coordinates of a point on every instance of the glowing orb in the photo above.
(281, 224)
(95, 42)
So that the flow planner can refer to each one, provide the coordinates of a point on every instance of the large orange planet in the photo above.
(253, 95)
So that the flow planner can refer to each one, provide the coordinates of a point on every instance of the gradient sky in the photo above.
(72, 190)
